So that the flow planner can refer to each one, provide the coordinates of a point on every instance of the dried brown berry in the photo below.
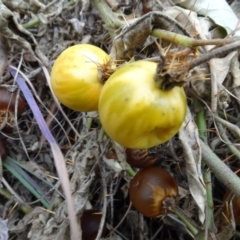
(149, 188)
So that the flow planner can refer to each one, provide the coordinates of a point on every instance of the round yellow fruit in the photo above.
(137, 114)
(76, 76)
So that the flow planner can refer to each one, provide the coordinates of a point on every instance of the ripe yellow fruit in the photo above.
(76, 76)
(137, 114)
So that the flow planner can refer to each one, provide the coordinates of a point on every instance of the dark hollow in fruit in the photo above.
(90, 222)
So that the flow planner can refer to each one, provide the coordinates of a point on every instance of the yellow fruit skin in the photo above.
(137, 114)
(75, 76)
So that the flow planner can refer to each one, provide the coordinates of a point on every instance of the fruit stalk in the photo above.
(175, 77)
(189, 225)
(188, 41)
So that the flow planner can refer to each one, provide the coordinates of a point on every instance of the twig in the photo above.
(220, 169)
(225, 115)
(232, 127)
(215, 53)
(229, 144)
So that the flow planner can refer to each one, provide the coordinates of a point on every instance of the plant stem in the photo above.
(35, 21)
(32, 23)
(189, 226)
(235, 130)
(101, 134)
(217, 52)
(209, 206)
(228, 116)
(130, 172)
(174, 37)
(107, 15)
(229, 144)
(24, 208)
(89, 122)
(176, 75)
(200, 119)
(202, 129)
(220, 169)
(187, 41)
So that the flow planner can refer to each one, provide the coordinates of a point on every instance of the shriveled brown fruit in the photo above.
(150, 188)
(140, 158)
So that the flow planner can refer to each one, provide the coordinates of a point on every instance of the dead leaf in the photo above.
(135, 34)
(218, 10)
(24, 5)
(4, 51)
(188, 136)
(219, 70)
(17, 33)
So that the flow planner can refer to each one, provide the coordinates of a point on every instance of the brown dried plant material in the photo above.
(219, 11)
(155, 5)
(54, 9)
(15, 33)
(136, 34)
(4, 51)
(189, 138)
(24, 5)
(81, 154)
(8, 100)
